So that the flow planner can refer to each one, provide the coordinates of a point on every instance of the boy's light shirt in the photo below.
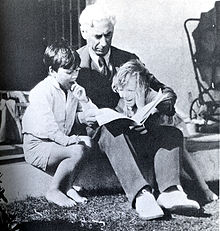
(50, 114)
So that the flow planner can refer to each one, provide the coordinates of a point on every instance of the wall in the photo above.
(154, 31)
(27, 26)
(21, 47)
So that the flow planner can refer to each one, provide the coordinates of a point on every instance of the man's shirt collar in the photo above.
(95, 57)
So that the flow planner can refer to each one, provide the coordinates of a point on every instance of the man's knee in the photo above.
(178, 136)
(171, 138)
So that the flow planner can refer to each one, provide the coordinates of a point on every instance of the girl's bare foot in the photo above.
(73, 194)
(210, 196)
(59, 198)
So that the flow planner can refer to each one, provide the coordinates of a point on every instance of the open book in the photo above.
(109, 116)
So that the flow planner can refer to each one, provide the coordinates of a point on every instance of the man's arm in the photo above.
(86, 109)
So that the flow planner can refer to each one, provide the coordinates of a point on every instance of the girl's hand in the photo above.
(140, 95)
(79, 92)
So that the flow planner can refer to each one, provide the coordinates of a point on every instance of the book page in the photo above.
(106, 115)
(141, 116)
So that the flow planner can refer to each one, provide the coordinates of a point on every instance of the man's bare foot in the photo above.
(59, 198)
(73, 194)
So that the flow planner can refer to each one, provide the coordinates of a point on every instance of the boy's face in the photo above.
(128, 92)
(99, 37)
(66, 77)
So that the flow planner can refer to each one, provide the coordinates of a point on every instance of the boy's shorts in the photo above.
(37, 151)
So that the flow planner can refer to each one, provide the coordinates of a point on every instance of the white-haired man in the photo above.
(99, 61)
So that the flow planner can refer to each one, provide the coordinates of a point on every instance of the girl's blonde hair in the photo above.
(132, 67)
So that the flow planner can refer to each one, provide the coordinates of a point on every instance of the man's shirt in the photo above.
(95, 58)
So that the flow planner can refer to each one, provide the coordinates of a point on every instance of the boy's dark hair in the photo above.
(60, 54)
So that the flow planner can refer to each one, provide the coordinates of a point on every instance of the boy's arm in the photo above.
(86, 113)
(39, 119)
(86, 109)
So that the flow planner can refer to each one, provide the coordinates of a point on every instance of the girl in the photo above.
(133, 83)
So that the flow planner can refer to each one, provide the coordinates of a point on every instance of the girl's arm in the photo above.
(167, 105)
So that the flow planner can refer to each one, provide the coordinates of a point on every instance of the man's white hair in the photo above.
(95, 12)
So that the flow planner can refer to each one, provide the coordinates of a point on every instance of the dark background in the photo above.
(26, 27)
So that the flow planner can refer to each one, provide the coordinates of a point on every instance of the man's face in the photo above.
(99, 37)
(128, 92)
(66, 77)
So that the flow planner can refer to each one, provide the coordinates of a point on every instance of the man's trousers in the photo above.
(125, 152)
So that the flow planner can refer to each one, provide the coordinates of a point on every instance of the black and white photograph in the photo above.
(109, 115)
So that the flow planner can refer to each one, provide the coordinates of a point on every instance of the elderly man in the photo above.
(99, 62)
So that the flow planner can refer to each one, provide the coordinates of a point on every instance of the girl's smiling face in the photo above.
(128, 92)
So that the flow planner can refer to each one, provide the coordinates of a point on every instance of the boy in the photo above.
(48, 120)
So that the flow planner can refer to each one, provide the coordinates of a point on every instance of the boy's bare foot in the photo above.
(59, 198)
(73, 194)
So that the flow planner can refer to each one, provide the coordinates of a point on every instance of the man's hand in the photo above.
(86, 140)
(88, 117)
(166, 107)
(79, 93)
(73, 140)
